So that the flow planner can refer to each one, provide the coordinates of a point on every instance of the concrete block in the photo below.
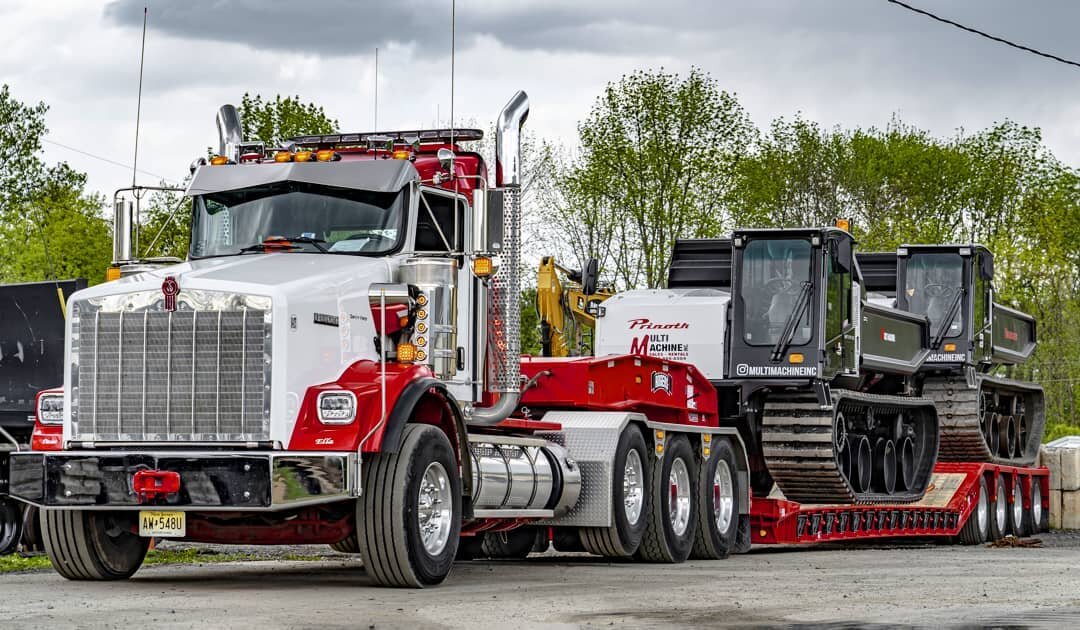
(1070, 468)
(1051, 458)
(1070, 510)
(1055, 509)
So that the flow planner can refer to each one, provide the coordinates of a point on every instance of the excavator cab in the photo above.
(567, 303)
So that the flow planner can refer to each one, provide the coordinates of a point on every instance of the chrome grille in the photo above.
(188, 375)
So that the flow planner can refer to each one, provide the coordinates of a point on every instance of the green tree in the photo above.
(658, 153)
(275, 121)
(21, 170)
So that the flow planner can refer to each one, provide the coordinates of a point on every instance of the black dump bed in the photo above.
(700, 262)
(878, 271)
(31, 348)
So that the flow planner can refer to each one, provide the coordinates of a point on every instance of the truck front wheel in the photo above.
(84, 545)
(11, 517)
(408, 518)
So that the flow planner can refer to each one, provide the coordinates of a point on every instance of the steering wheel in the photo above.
(937, 290)
(777, 286)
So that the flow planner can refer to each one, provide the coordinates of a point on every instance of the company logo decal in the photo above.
(946, 357)
(170, 288)
(743, 369)
(661, 381)
(888, 336)
(644, 323)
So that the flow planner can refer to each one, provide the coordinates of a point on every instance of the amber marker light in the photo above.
(402, 154)
(283, 156)
(303, 156)
(406, 353)
(482, 267)
(795, 357)
(950, 347)
(219, 160)
(112, 273)
(327, 155)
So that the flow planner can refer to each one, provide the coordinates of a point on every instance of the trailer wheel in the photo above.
(349, 545)
(515, 544)
(566, 539)
(1017, 513)
(673, 518)
(470, 548)
(85, 545)
(630, 500)
(1039, 518)
(11, 526)
(718, 504)
(977, 528)
(409, 518)
(999, 508)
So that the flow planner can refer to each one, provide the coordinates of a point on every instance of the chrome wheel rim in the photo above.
(633, 484)
(1036, 505)
(723, 496)
(1018, 507)
(982, 511)
(679, 497)
(435, 508)
(999, 508)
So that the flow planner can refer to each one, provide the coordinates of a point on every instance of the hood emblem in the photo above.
(170, 288)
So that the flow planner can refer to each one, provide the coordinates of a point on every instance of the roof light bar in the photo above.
(427, 136)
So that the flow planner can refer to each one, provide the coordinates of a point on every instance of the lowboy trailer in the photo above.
(339, 362)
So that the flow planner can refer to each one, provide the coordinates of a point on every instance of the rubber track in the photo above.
(958, 412)
(797, 442)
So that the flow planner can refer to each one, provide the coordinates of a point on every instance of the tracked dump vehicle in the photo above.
(984, 417)
(819, 382)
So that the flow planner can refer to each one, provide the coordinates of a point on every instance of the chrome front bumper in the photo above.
(209, 480)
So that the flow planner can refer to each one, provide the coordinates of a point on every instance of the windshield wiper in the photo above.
(947, 322)
(792, 321)
(283, 242)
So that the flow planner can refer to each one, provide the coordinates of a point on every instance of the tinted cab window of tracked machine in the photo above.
(775, 321)
(933, 282)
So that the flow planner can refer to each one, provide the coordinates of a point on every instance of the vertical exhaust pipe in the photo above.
(123, 222)
(230, 132)
(504, 335)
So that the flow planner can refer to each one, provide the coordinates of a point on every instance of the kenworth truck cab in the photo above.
(338, 362)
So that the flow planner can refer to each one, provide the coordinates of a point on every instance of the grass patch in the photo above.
(15, 563)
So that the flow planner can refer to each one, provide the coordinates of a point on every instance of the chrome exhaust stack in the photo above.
(504, 294)
(123, 224)
(230, 132)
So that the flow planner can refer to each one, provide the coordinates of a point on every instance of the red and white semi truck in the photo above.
(338, 362)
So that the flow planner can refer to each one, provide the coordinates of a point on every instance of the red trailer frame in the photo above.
(943, 510)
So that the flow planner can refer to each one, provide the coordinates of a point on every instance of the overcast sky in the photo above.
(849, 62)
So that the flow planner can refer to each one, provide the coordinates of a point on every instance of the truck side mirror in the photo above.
(986, 267)
(487, 233)
(841, 255)
(591, 276)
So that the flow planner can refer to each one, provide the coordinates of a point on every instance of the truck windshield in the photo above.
(349, 221)
(773, 273)
(932, 285)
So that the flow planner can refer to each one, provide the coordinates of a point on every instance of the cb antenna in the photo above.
(138, 106)
(453, 15)
(376, 128)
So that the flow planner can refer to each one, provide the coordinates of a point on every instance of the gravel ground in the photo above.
(909, 585)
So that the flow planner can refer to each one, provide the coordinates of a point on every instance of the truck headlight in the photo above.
(50, 408)
(337, 407)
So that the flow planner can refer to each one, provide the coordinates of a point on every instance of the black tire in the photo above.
(89, 545)
(470, 548)
(623, 537)
(1016, 514)
(663, 541)
(742, 535)
(710, 543)
(974, 532)
(566, 539)
(349, 545)
(11, 526)
(1040, 519)
(999, 520)
(31, 535)
(515, 544)
(387, 516)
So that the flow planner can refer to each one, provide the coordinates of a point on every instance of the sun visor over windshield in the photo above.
(373, 175)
